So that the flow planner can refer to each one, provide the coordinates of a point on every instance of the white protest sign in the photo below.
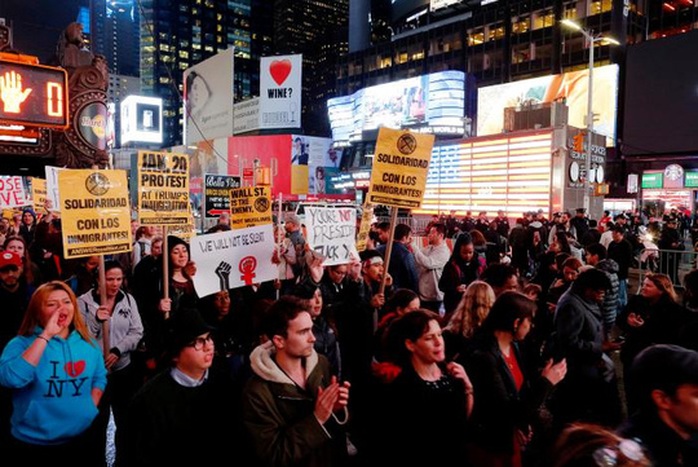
(233, 258)
(12, 192)
(331, 231)
(52, 188)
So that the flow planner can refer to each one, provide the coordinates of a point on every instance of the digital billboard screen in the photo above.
(511, 173)
(401, 9)
(572, 87)
(661, 96)
(435, 101)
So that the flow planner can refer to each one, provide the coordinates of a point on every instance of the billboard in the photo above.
(402, 9)
(433, 103)
(488, 174)
(208, 98)
(312, 160)
(661, 102)
(280, 87)
(572, 87)
(246, 116)
(141, 119)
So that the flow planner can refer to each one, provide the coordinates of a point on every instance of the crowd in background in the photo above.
(491, 342)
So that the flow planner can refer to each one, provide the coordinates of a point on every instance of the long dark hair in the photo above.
(507, 308)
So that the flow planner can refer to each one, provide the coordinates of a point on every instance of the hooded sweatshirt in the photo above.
(278, 414)
(52, 402)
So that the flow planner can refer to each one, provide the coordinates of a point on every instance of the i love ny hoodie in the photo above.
(52, 402)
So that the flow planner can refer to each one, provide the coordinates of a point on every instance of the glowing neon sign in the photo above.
(33, 95)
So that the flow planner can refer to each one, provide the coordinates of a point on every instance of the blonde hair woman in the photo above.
(56, 373)
(468, 317)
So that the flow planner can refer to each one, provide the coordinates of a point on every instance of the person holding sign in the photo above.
(125, 332)
(57, 375)
(154, 308)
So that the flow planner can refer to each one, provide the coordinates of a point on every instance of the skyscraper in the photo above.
(318, 30)
(114, 33)
(176, 34)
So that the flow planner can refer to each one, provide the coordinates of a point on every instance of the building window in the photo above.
(476, 37)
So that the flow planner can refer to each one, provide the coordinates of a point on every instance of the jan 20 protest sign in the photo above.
(331, 231)
(163, 188)
(250, 206)
(12, 192)
(39, 194)
(95, 212)
(217, 193)
(400, 167)
(233, 258)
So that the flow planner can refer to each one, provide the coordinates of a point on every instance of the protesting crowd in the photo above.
(476, 343)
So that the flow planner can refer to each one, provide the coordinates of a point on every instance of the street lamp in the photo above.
(592, 39)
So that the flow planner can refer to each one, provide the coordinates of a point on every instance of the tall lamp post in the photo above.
(592, 39)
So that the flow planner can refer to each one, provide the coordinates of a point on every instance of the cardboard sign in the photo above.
(400, 167)
(52, 187)
(233, 258)
(250, 206)
(12, 192)
(96, 213)
(39, 194)
(364, 228)
(163, 188)
(217, 193)
(331, 231)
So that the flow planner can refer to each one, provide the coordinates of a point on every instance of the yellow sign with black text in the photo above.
(250, 206)
(95, 212)
(163, 188)
(400, 167)
(39, 194)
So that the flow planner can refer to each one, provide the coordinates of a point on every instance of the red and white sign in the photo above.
(280, 91)
(12, 192)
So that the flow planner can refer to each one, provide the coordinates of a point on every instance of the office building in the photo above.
(176, 34)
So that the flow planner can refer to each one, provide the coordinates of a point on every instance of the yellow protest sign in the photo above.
(39, 194)
(400, 166)
(364, 228)
(95, 212)
(250, 206)
(163, 188)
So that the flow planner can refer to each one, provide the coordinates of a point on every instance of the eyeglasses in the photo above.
(609, 456)
(200, 342)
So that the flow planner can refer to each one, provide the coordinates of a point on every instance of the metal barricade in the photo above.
(674, 263)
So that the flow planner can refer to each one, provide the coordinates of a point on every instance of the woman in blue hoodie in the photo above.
(57, 376)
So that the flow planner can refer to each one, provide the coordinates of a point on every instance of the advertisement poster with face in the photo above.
(208, 98)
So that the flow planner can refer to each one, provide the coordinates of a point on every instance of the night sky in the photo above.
(36, 24)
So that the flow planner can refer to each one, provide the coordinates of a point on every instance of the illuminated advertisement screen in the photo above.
(436, 101)
(661, 97)
(401, 9)
(488, 174)
(141, 119)
(572, 87)
(33, 95)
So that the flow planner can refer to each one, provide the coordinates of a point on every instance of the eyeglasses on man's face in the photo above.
(200, 342)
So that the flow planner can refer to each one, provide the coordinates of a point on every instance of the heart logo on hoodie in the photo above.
(75, 369)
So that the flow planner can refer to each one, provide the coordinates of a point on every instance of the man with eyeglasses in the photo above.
(186, 414)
